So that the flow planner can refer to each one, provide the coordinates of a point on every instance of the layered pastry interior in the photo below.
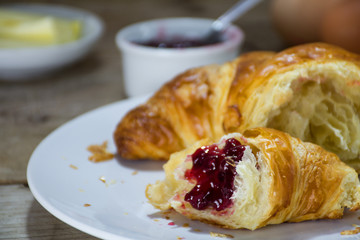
(313, 106)
(321, 115)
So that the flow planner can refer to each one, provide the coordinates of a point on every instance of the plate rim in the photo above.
(46, 204)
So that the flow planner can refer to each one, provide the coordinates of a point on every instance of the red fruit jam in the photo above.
(214, 171)
(177, 42)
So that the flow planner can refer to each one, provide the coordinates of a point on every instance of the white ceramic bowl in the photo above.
(32, 62)
(146, 69)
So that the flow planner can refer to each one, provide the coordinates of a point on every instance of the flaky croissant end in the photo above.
(254, 179)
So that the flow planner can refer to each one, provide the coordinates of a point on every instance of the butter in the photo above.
(20, 29)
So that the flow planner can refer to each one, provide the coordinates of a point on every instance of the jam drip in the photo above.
(214, 171)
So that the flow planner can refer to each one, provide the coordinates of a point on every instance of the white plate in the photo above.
(119, 209)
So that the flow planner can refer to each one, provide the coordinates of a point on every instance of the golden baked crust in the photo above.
(311, 91)
(286, 180)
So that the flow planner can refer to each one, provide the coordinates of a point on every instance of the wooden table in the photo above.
(29, 111)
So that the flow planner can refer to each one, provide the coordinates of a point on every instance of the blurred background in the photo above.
(30, 110)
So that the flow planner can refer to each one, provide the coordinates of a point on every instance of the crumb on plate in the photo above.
(222, 235)
(73, 167)
(112, 182)
(99, 153)
(102, 178)
(351, 232)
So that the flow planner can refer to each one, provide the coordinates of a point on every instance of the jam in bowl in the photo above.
(155, 51)
(177, 42)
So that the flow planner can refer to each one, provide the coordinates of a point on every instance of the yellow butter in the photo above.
(20, 29)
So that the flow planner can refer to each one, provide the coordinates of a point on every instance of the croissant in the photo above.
(310, 91)
(263, 176)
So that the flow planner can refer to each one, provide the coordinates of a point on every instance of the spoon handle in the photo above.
(233, 13)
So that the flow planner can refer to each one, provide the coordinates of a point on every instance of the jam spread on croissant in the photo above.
(214, 171)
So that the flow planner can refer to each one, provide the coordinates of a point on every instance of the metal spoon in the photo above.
(224, 21)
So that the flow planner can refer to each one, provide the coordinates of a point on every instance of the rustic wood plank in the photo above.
(22, 217)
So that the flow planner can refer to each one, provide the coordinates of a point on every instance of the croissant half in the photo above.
(310, 91)
(262, 177)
